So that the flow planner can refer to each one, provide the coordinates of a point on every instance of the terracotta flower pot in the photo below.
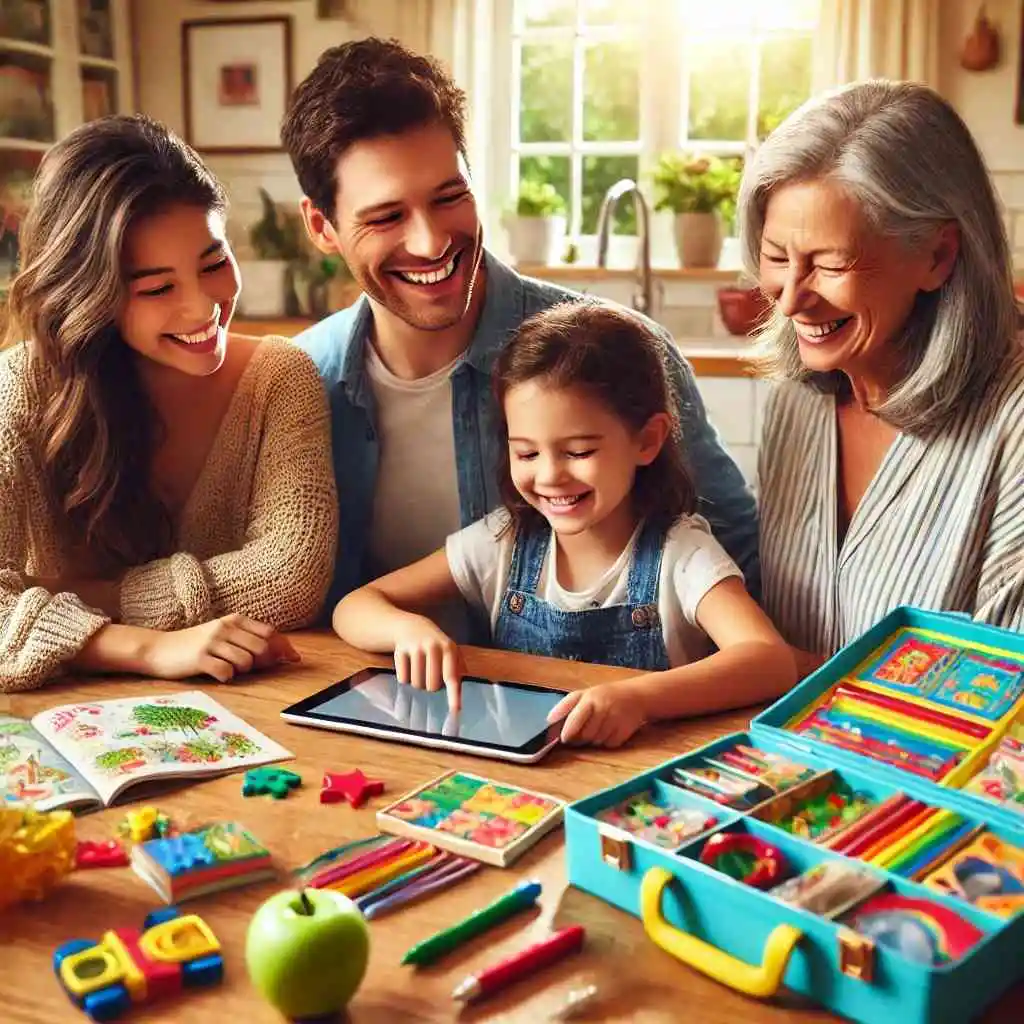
(743, 310)
(698, 239)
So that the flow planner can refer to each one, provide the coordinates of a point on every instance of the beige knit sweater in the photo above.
(257, 534)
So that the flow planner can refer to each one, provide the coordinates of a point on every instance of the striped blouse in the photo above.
(941, 525)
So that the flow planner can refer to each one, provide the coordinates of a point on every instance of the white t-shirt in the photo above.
(416, 503)
(692, 563)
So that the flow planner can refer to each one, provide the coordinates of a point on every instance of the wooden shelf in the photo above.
(574, 271)
(20, 46)
(32, 145)
(102, 63)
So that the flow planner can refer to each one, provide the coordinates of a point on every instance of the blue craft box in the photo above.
(759, 945)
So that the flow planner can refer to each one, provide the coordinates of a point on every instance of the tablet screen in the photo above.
(506, 715)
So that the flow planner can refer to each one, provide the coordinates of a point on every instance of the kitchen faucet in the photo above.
(642, 299)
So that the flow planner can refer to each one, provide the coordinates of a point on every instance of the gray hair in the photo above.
(905, 156)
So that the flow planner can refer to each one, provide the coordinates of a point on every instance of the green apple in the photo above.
(306, 951)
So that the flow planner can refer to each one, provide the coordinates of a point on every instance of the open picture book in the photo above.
(85, 755)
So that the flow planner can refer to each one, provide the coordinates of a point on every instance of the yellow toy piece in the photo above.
(145, 823)
(37, 849)
(130, 966)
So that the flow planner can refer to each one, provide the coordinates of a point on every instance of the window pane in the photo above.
(554, 170)
(545, 108)
(599, 174)
(543, 13)
(611, 92)
(785, 80)
(719, 73)
(612, 12)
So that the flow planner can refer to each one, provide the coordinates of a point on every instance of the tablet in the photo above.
(497, 719)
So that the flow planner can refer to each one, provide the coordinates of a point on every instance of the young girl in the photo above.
(169, 502)
(596, 555)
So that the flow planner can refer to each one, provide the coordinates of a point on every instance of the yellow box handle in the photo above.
(761, 981)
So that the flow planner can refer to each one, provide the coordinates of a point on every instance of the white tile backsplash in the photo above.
(729, 402)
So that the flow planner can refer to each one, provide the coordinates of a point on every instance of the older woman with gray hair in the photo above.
(892, 455)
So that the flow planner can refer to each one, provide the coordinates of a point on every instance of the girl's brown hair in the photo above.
(614, 356)
(96, 428)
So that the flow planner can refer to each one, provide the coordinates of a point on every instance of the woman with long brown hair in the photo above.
(169, 502)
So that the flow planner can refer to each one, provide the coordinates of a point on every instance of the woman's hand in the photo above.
(605, 715)
(226, 647)
(428, 659)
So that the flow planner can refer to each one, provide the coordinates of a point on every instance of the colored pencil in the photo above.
(322, 879)
(934, 853)
(841, 839)
(883, 827)
(329, 856)
(416, 891)
(933, 825)
(436, 863)
(922, 871)
(897, 834)
(845, 741)
(370, 878)
(975, 729)
(931, 839)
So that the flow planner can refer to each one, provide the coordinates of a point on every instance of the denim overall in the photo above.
(627, 634)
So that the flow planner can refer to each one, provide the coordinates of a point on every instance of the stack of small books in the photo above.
(217, 856)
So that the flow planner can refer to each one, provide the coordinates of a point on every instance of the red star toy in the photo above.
(354, 787)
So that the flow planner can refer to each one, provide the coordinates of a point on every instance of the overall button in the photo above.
(641, 616)
(516, 602)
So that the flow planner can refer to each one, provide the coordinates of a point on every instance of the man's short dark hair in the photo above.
(362, 90)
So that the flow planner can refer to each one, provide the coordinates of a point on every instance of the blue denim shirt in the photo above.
(337, 345)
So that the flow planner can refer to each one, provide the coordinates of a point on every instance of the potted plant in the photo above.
(536, 228)
(700, 191)
(276, 243)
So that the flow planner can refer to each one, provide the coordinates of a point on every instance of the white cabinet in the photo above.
(62, 62)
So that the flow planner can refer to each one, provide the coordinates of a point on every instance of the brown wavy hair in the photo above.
(617, 358)
(362, 90)
(96, 429)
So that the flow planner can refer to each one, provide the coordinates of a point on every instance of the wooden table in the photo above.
(639, 982)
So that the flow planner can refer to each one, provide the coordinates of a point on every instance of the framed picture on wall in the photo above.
(236, 78)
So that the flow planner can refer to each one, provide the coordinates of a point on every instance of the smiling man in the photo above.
(377, 138)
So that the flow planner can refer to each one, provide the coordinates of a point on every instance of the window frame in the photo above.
(664, 97)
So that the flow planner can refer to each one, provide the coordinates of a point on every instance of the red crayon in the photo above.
(841, 840)
(521, 964)
(860, 745)
(384, 853)
(884, 828)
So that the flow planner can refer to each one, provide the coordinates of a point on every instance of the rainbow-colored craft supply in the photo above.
(217, 856)
(904, 898)
(384, 872)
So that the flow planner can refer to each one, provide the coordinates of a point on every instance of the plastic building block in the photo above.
(144, 823)
(108, 853)
(354, 787)
(37, 849)
(127, 966)
(278, 782)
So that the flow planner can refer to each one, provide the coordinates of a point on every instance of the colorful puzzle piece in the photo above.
(353, 787)
(103, 854)
(278, 782)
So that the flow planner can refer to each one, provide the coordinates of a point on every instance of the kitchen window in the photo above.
(600, 88)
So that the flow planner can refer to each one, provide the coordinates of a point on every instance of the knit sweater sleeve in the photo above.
(39, 631)
(281, 572)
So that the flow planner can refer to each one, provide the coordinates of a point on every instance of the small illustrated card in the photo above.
(473, 816)
(983, 686)
(220, 855)
(646, 816)
(909, 663)
(989, 873)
